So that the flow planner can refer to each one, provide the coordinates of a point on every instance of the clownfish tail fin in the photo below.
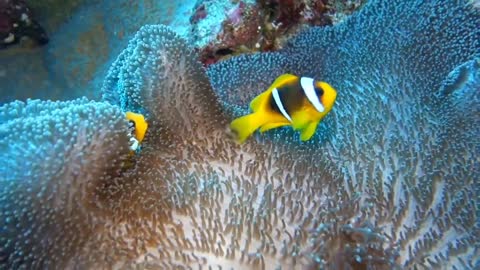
(246, 125)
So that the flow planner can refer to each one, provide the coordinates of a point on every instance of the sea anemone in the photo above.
(388, 181)
(55, 156)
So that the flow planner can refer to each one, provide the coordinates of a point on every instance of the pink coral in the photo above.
(235, 14)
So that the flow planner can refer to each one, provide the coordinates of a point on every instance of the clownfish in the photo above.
(138, 126)
(300, 102)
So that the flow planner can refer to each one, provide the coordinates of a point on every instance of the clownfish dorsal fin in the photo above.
(257, 102)
(283, 79)
(260, 100)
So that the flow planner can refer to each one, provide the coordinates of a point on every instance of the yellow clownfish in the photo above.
(140, 126)
(300, 102)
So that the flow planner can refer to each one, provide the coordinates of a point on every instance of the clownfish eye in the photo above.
(318, 91)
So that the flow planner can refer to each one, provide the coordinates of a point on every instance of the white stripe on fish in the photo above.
(276, 97)
(309, 89)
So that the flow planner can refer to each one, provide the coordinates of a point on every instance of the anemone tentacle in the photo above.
(390, 179)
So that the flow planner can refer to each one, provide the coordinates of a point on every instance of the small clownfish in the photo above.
(300, 102)
(140, 126)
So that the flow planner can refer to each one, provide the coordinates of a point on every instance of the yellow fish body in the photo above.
(300, 102)
(139, 126)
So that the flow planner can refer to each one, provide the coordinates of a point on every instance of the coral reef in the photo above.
(388, 181)
(258, 26)
(17, 22)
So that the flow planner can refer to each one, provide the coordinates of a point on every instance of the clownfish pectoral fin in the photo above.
(272, 126)
(308, 131)
(300, 120)
(246, 125)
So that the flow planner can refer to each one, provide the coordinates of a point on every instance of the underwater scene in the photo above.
(240, 134)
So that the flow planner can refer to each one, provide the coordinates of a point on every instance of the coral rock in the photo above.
(16, 22)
